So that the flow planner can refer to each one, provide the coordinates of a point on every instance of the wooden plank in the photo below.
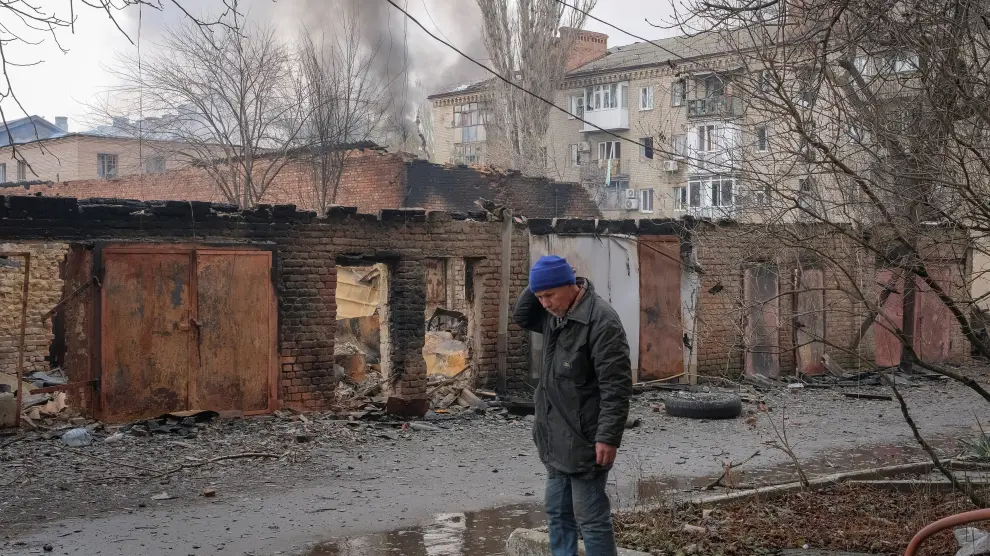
(145, 350)
(661, 347)
(436, 285)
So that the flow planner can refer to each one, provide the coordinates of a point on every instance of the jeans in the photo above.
(573, 503)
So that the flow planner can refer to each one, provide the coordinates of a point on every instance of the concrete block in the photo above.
(529, 542)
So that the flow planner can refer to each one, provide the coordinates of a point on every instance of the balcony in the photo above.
(611, 119)
(716, 107)
(595, 171)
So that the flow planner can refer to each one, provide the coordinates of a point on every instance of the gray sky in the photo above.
(64, 84)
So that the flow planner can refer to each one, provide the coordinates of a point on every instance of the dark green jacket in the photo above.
(584, 390)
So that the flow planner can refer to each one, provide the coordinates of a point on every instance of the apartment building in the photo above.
(460, 110)
(55, 154)
(666, 129)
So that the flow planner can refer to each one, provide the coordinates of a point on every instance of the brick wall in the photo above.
(307, 252)
(725, 250)
(588, 47)
(45, 290)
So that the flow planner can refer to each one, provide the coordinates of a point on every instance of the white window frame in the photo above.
(646, 200)
(679, 145)
(678, 92)
(610, 96)
(762, 143)
(107, 165)
(708, 138)
(575, 155)
(609, 150)
(645, 98)
(3, 172)
(576, 108)
(22, 170)
(702, 191)
(680, 195)
(647, 153)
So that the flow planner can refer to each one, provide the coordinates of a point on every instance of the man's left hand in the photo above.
(604, 454)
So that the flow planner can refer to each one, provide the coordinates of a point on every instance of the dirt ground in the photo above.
(354, 480)
(847, 518)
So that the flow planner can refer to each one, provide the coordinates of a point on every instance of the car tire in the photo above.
(693, 405)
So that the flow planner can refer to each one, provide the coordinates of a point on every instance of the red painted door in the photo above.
(809, 319)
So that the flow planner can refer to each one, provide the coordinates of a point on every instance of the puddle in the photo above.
(484, 533)
(481, 533)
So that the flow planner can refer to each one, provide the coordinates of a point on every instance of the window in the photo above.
(903, 62)
(646, 200)
(106, 165)
(714, 191)
(576, 153)
(722, 191)
(155, 165)
(707, 138)
(22, 170)
(577, 107)
(678, 92)
(680, 198)
(619, 183)
(714, 86)
(762, 141)
(646, 151)
(766, 81)
(3, 173)
(679, 145)
(605, 97)
(646, 98)
(609, 150)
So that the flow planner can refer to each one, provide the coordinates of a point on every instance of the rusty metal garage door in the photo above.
(933, 320)
(186, 328)
(661, 343)
(809, 321)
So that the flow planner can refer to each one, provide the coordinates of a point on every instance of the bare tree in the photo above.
(28, 24)
(863, 148)
(527, 47)
(226, 100)
(347, 102)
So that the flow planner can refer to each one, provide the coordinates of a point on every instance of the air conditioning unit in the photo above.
(630, 194)
(669, 165)
(585, 147)
(631, 204)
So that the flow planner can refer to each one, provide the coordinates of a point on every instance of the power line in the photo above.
(509, 82)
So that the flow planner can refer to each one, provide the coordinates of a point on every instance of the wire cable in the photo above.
(509, 82)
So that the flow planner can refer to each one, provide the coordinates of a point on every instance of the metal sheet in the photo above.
(809, 319)
(235, 326)
(612, 264)
(887, 347)
(145, 352)
(661, 352)
(934, 320)
(761, 284)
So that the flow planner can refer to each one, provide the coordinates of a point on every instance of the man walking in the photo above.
(582, 401)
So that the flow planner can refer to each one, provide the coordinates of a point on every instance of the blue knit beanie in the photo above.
(550, 272)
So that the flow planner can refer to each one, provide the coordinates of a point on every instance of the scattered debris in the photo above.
(467, 399)
(77, 438)
(407, 408)
(209, 493)
(701, 405)
(422, 427)
(632, 422)
(162, 496)
(694, 529)
(865, 396)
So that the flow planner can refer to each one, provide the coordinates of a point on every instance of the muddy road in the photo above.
(459, 489)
